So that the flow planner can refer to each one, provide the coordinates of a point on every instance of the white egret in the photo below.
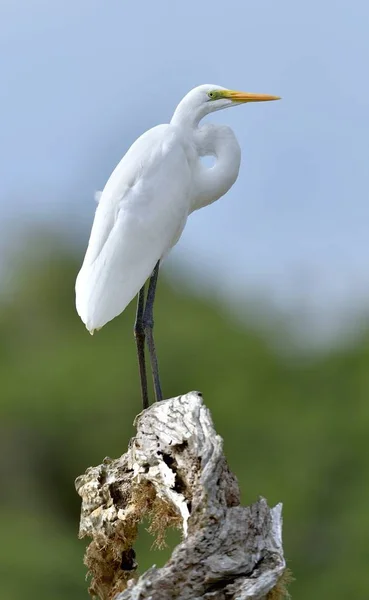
(143, 209)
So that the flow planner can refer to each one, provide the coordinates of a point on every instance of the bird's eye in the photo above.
(211, 95)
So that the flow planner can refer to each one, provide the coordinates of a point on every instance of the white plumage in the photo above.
(144, 206)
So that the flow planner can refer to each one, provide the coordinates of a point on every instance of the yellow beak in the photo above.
(249, 96)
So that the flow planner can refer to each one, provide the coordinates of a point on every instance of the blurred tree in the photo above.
(295, 430)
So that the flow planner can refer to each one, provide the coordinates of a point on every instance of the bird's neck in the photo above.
(210, 183)
(188, 114)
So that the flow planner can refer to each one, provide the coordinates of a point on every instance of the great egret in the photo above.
(143, 209)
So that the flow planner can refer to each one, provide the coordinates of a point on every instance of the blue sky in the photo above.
(81, 80)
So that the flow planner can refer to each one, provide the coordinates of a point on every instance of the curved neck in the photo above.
(210, 183)
(188, 114)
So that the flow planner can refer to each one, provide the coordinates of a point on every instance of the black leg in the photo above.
(140, 345)
(148, 323)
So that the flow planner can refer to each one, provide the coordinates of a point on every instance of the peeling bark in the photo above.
(175, 472)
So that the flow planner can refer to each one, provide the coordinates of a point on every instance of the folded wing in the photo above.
(141, 213)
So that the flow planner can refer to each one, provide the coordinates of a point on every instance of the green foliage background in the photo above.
(295, 428)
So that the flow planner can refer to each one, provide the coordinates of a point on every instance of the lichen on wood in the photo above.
(175, 473)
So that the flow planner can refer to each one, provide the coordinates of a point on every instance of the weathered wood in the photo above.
(175, 472)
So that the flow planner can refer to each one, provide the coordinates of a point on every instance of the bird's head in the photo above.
(217, 98)
(208, 98)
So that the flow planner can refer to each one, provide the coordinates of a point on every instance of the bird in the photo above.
(143, 209)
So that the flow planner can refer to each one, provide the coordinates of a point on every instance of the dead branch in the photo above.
(175, 472)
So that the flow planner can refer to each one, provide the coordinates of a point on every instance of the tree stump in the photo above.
(175, 473)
